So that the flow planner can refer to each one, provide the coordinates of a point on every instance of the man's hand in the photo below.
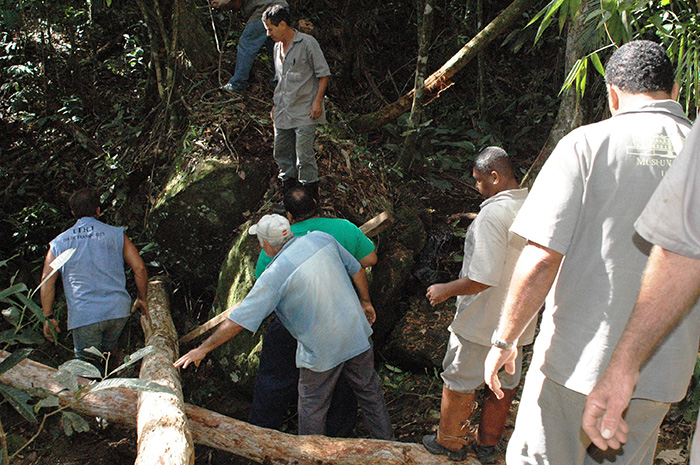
(272, 114)
(437, 293)
(495, 360)
(316, 109)
(48, 324)
(369, 312)
(142, 304)
(193, 356)
(602, 417)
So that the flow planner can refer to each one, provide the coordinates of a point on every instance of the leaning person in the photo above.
(277, 378)
(94, 281)
(490, 253)
(331, 325)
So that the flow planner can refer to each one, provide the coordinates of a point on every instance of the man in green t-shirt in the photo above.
(278, 376)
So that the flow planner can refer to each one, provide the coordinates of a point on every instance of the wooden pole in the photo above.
(163, 434)
(118, 405)
(371, 228)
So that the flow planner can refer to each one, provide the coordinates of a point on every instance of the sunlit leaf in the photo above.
(135, 357)
(135, 384)
(80, 368)
(57, 264)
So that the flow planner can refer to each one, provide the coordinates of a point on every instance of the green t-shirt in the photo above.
(346, 233)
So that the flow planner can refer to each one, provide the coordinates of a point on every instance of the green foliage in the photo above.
(611, 23)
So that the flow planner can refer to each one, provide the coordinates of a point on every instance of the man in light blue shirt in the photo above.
(309, 285)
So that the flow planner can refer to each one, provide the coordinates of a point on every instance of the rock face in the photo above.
(420, 338)
(199, 210)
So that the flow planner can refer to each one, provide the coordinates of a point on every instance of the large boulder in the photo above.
(419, 339)
(197, 213)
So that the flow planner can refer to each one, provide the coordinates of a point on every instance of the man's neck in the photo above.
(288, 37)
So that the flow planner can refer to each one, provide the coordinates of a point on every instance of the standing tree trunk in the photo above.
(425, 31)
(163, 434)
(570, 113)
(179, 41)
(440, 79)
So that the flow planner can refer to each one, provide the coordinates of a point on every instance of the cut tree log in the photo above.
(440, 79)
(163, 434)
(118, 405)
(371, 228)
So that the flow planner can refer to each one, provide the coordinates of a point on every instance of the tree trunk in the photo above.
(425, 30)
(440, 79)
(178, 42)
(211, 429)
(570, 113)
(163, 434)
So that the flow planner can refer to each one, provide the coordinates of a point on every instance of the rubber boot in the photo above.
(493, 421)
(454, 432)
(312, 189)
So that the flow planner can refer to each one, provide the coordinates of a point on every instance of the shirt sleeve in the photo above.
(670, 219)
(550, 214)
(317, 60)
(257, 305)
(490, 247)
(363, 244)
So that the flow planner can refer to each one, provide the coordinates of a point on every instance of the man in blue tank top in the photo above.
(94, 281)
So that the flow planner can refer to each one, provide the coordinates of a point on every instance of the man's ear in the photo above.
(495, 177)
(613, 98)
(675, 91)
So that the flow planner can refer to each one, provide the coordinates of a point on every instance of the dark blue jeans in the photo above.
(276, 387)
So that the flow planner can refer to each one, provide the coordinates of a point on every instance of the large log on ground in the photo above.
(211, 429)
(163, 433)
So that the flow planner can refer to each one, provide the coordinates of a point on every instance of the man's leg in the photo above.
(251, 41)
(284, 153)
(315, 390)
(276, 382)
(85, 337)
(305, 156)
(360, 374)
(548, 425)
(342, 414)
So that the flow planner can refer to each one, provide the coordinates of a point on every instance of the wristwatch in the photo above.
(501, 344)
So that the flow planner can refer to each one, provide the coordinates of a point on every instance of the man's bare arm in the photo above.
(225, 331)
(669, 286)
(317, 104)
(369, 260)
(532, 279)
(133, 259)
(362, 288)
(464, 286)
(48, 293)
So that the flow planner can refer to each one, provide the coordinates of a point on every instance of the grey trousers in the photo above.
(316, 390)
(548, 428)
(294, 154)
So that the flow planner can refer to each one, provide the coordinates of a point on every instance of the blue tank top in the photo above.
(94, 281)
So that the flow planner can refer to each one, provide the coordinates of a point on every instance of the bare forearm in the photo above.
(322, 86)
(464, 286)
(532, 279)
(48, 293)
(669, 286)
(224, 332)
(361, 285)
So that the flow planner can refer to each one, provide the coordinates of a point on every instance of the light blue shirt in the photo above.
(309, 284)
(93, 279)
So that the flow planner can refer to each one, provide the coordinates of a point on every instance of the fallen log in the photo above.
(163, 434)
(118, 405)
(371, 228)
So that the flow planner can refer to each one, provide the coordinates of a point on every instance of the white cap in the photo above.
(273, 228)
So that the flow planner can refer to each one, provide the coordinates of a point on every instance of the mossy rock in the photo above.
(199, 210)
(420, 338)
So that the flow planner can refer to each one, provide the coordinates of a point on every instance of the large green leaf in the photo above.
(135, 384)
(14, 358)
(16, 289)
(67, 379)
(133, 358)
(80, 368)
(73, 422)
(20, 401)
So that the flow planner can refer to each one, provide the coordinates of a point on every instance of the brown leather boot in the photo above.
(493, 421)
(454, 432)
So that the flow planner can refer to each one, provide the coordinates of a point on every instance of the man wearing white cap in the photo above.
(330, 323)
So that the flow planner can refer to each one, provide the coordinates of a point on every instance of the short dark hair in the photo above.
(276, 14)
(85, 202)
(639, 67)
(494, 159)
(300, 204)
